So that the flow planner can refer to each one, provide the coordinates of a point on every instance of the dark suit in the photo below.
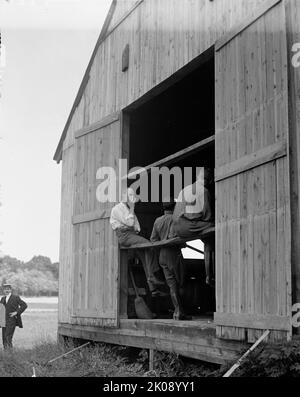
(14, 304)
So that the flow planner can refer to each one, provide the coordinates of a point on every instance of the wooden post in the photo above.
(125, 146)
(151, 360)
(123, 284)
(66, 354)
(239, 362)
(293, 31)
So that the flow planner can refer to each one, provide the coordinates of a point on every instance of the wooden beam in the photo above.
(67, 146)
(151, 359)
(123, 255)
(253, 321)
(125, 16)
(123, 284)
(91, 216)
(201, 343)
(239, 362)
(145, 342)
(66, 354)
(108, 20)
(200, 331)
(256, 14)
(246, 163)
(174, 78)
(182, 154)
(98, 125)
(172, 241)
(102, 37)
(293, 18)
(86, 313)
(194, 249)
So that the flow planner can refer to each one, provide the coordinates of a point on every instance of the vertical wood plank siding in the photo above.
(95, 250)
(253, 207)
(163, 36)
(293, 37)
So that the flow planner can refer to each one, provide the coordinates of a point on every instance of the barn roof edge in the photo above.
(58, 153)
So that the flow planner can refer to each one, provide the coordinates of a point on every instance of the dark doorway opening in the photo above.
(179, 117)
(175, 127)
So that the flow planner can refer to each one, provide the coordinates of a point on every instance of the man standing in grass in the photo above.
(14, 307)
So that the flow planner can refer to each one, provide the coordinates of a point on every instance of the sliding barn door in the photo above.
(253, 258)
(96, 254)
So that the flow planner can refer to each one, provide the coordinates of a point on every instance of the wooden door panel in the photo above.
(252, 180)
(96, 262)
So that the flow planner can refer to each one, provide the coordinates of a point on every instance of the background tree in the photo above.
(38, 277)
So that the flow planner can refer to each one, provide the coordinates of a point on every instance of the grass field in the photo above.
(39, 322)
(35, 345)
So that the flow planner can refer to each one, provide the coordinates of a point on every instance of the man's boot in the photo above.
(178, 312)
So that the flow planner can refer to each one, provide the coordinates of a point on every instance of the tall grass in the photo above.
(35, 345)
(97, 360)
(94, 361)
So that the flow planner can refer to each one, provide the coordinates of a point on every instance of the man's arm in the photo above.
(179, 207)
(117, 219)
(136, 225)
(131, 219)
(207, 205)
(22, 306)
(114, 222)
(155, 235)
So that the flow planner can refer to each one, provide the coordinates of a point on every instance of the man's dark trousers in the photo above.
(8, 332)
(148, 258)
(14, 305)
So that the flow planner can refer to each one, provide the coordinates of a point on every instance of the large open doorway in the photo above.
(175, 127)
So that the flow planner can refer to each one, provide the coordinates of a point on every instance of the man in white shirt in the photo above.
(126, 225)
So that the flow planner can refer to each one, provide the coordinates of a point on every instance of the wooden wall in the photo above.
(66, 231)
(252, 172)
(163, 35)
(293, 36)
(95, 248)
(66, 235)
(122, 8)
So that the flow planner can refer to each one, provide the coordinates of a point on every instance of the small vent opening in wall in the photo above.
(125, 59)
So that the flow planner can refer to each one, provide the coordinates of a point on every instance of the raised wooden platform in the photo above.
(195, 339)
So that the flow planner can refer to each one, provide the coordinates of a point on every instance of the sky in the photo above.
(48, 44)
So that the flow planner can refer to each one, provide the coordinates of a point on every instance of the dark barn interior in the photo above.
(182, 115)
(179, 117)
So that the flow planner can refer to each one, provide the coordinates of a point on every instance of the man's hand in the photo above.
(131, 206)
(131, 198)
(13, 314)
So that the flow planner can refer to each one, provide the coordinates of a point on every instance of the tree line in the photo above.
(38, 277)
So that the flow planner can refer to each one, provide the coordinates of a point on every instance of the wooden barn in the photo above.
(207, 83)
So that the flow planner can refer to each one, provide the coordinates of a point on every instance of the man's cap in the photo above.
(6, 285)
